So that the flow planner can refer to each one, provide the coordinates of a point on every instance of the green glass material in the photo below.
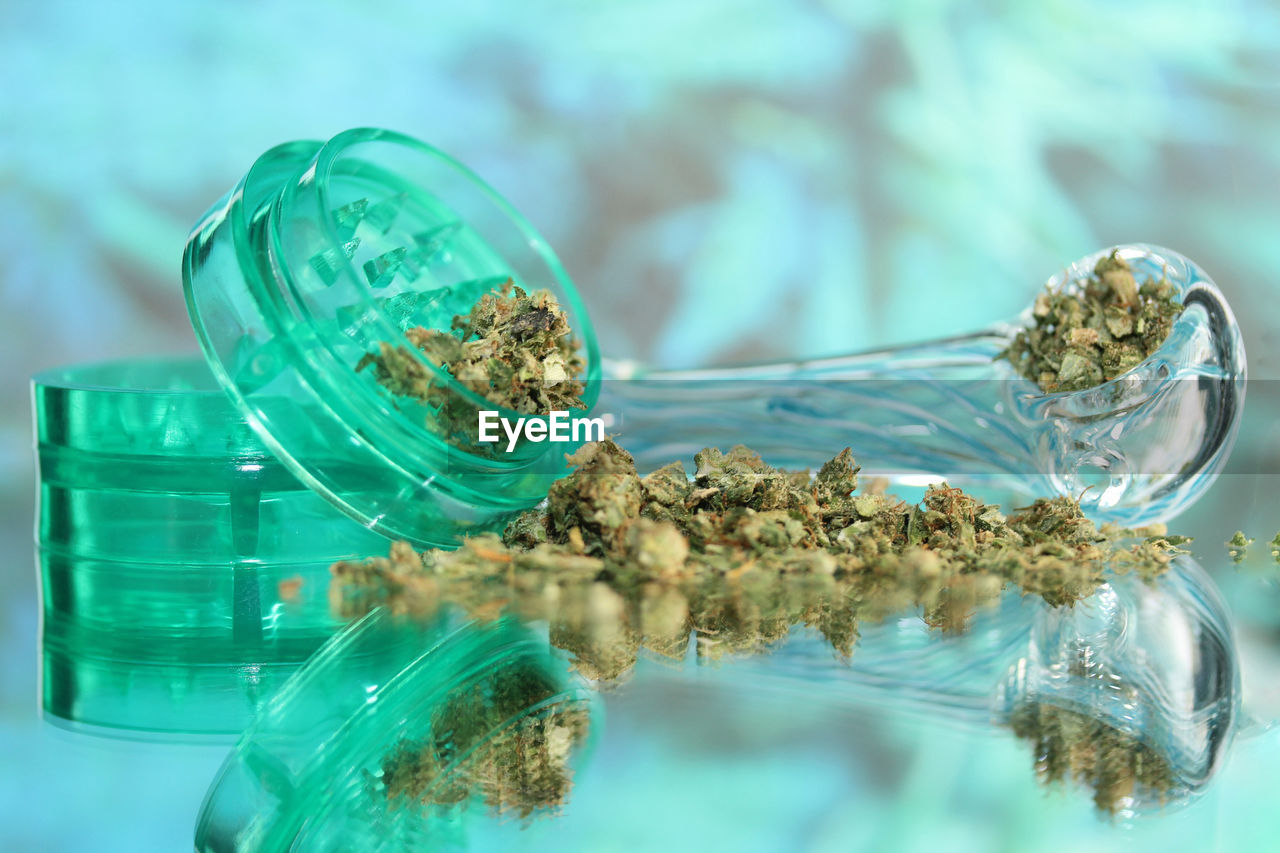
(184, 570)
(309, 774)
(320, 254)
(136, 687)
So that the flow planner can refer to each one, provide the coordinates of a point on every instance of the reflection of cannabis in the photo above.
(743, 552)
(1070, 745)
(514, 349)
(1238, 546)
(484, 742)
(1082, 339)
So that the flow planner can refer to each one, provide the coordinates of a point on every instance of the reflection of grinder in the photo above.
(397, 730)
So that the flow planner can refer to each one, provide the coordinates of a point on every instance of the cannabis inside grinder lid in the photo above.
(323, 253)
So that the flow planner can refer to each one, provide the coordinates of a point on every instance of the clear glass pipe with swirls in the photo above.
(1137, 449)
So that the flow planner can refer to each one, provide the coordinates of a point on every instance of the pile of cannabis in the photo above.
(514, 349)
(742, 552)
(1087, 337)
(484, 743)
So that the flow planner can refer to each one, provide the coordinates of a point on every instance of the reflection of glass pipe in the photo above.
(1148, 443)
(1149, 669)
(1153, 666)
(396, 729)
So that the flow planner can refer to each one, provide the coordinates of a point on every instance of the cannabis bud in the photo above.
(514, 349)
(1238, 546)
(1091, 335)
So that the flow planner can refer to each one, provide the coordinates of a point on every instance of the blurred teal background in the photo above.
(724, 180)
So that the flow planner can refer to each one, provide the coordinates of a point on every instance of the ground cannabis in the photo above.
(483, 744)
(1092, 335)
(514, 349)
(1238, 546)
(742, 551)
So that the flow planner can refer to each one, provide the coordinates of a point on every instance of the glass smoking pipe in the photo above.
(1145, 445)
(396, 733)
(326, 251)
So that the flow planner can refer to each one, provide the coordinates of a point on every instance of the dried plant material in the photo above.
(1238, 546)
(742, 552)
(397, 581)
(290, 589)
(1073, 746)
(485, 742)
(514, 349)
(1089, 336)
(736, 556)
